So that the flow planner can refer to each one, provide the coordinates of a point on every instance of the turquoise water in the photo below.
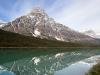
(42, 61)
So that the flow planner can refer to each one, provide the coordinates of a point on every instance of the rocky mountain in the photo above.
(92, 34)
(38, 24)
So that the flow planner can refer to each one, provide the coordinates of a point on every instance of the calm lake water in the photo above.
(46, 61)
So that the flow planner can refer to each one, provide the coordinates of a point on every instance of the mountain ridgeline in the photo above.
(38, 24)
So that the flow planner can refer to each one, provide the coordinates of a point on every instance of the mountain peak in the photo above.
(37, 10)
(37, 13)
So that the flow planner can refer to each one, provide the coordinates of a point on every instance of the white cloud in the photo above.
(21, 7)
(1, 21)
(78, 14)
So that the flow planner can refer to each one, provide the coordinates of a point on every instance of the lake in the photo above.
(46, 61)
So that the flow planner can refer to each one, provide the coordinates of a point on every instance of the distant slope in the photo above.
(92, 34)
(9, 39)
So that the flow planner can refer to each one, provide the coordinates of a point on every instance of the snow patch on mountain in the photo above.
(36, 32)
(60, 39)
(2, 25)
(31, 16)
(57, 38)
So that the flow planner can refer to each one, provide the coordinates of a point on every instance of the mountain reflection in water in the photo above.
(59, 63)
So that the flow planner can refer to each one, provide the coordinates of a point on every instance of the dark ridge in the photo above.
(9, 39)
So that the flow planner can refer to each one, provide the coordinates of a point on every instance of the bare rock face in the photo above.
(38, 24)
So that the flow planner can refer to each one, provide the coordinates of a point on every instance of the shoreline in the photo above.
(49, 47)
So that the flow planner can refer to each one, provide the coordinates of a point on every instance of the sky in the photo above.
(80, 15)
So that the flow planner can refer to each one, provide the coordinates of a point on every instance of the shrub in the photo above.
(95, 70)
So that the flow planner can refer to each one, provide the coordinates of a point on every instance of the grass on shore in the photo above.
(95, 70)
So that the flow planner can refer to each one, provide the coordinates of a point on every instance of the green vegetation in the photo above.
(9, 39)
(95, 70)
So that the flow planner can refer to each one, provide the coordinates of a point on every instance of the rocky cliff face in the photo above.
(38, 24)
